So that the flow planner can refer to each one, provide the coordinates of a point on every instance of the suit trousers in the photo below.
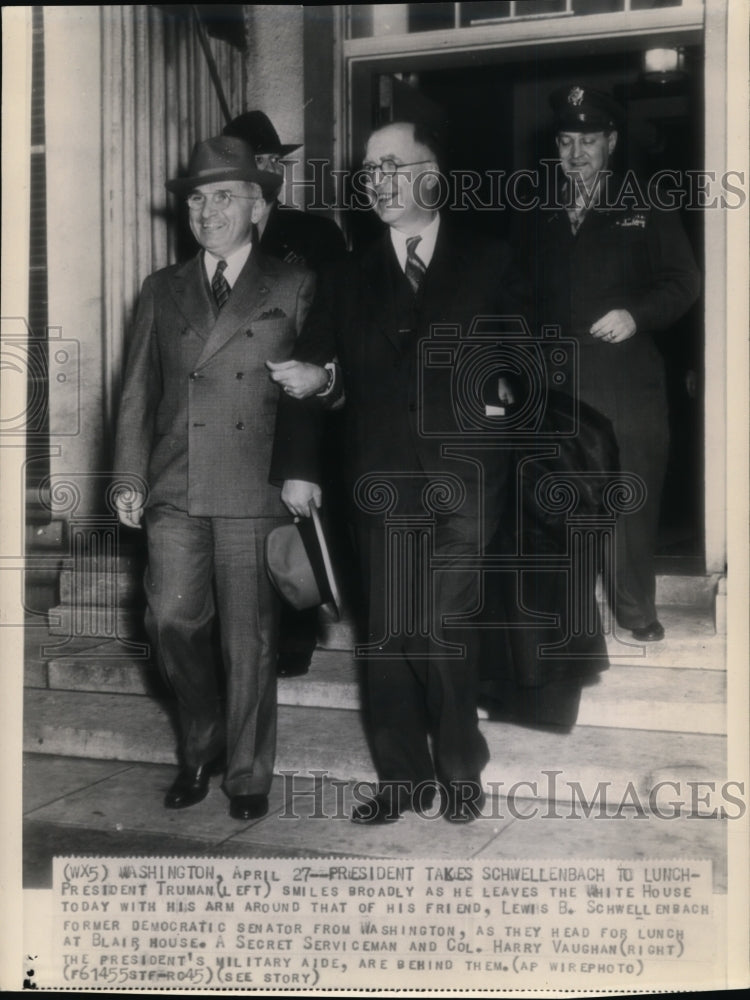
(423, 690)
(634, 399)
(199, 567)
(635, 533)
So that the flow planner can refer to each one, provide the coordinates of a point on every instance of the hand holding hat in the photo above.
(299, 565)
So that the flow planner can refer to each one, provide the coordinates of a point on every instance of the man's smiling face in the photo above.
(222, 230)
(399, 198)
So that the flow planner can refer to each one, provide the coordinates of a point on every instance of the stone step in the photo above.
(630, 697)
(647, 696)
(544, 765)
(43, 534)
(45, 550)
(102, 596)
(695, 591)
(691, 641)
(96, 621)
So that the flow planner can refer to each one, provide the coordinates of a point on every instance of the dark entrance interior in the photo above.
(493, 115)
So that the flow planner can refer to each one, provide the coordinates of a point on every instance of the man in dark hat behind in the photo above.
(611, 274)
(286, 233)
(196, 426)
(313, 241)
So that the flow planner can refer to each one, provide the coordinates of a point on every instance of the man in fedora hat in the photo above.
(313, 241)
(286, 233)
(196, 424)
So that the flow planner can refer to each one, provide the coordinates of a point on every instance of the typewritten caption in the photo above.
(285, 924)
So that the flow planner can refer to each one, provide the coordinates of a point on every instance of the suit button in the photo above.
(239, 375)
(248, 333)
(184, 331)
(193, 376)
(240, 426)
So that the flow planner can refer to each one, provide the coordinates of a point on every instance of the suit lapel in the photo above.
(249, 293)
(190, 290)
(446, 260)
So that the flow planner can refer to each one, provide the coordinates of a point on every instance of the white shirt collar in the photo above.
(235, 263)
(425, 247)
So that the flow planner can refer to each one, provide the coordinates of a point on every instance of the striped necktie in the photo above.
(220, 285)
(415, 269)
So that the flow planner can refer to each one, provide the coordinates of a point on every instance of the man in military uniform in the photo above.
(611, 275)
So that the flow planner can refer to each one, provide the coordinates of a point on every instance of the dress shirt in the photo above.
(425, 247)
(235, 263)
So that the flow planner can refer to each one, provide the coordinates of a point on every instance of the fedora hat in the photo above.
(299, 565)
(222, 158)
(256, 128)
(582, 109)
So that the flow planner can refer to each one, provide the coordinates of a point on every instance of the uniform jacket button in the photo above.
(240, 426)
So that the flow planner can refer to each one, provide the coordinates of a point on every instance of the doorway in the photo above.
(492, 115)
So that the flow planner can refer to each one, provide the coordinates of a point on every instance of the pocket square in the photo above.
(273, 314)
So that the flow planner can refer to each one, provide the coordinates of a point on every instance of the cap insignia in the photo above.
(575, 96)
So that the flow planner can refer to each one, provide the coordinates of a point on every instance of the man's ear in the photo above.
(611, 142)
(431, 175)
(260, 206)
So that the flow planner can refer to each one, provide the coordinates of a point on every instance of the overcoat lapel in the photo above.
(272, 239)
(248, 295)
(377, 270)
(442, 278)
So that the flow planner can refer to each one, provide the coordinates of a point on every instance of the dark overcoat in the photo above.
(301, 238)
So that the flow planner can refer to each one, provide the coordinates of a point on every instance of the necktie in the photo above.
(415, 269)
(576, 217)
(220, 285)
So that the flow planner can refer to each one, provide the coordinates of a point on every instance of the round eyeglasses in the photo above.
(196, 201)
(388, 167)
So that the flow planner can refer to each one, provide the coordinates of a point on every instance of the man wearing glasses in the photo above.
(196, 424)
(370, 316)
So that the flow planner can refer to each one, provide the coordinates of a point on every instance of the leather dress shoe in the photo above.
(292, 665)
(192, 783)
(385, 807)
(462, 800)
(653, 632)
(248, 806)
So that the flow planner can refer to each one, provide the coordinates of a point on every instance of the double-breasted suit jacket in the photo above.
(197, 422)
(197, 414)
(367, 316)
